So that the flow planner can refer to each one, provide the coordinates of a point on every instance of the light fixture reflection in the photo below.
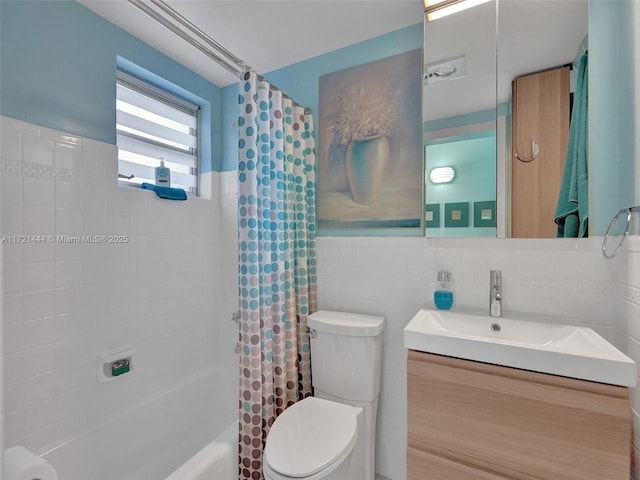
(442, 175)
(441, 8)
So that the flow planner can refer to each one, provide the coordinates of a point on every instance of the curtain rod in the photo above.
(219, 54)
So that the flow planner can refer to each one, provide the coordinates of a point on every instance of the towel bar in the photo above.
(628, 211)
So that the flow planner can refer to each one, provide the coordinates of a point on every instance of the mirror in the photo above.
(527, 151)
(477, 117)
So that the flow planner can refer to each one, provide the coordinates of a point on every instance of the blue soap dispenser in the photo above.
(163, 175)
(443, 294)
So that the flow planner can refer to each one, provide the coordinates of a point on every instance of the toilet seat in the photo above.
(310, 437)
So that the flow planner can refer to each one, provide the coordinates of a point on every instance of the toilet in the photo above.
(331, 436)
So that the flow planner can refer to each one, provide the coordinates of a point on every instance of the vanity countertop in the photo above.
(528, 342)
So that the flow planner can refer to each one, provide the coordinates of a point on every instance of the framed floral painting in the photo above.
(370, 166)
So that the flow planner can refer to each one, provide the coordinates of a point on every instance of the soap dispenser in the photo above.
(163, 175)
(443, 294)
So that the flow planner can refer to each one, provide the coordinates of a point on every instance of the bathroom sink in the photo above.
(520, 341)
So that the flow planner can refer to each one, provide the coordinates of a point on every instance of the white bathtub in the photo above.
(216, 461)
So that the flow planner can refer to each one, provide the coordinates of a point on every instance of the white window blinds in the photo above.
(152, 124)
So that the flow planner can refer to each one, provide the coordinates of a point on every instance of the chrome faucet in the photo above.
(495, 294)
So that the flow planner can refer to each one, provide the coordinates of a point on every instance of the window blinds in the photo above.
(152, 124)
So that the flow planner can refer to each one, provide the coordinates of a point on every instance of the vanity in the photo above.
(497, 398)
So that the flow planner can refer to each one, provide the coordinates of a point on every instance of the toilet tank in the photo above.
(346, 354)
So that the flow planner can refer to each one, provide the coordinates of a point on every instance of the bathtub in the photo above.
(216, 461)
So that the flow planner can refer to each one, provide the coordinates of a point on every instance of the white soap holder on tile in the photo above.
(115, 363)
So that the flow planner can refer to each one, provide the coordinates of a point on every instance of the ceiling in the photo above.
(265, 34)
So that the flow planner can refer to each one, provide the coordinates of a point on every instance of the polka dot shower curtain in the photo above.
(276, 261)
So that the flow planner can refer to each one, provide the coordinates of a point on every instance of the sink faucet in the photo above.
(495, 294)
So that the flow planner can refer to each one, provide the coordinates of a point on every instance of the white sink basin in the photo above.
(513, 341)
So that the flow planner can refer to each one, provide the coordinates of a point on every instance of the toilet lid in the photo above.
(309, 436)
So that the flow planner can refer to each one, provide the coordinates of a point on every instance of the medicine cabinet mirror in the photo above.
(473, 123)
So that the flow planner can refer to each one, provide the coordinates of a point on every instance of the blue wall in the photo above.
(614, 102)
(58, 70)
(474, 161)
(58, 63)
(301, 81)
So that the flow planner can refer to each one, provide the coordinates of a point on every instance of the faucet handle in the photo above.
(495, 294)
(496, 278)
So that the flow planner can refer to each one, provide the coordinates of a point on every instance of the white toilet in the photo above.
(332, 436)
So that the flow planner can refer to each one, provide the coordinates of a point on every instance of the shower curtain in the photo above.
(277, 264)
(572, 211)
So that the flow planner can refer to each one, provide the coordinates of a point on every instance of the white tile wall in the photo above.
(627, 271)
(394, 277)
(64, 303)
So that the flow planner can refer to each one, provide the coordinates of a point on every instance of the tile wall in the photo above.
(394, 277)
(152, 278)
(627, 266)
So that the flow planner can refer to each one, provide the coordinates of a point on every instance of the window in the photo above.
(154, 125)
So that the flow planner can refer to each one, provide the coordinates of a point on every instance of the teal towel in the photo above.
(572, 211)
(165, 192)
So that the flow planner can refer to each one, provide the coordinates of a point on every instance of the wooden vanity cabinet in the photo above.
(476, 421)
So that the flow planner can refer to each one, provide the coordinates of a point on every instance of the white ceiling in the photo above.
(265, 34)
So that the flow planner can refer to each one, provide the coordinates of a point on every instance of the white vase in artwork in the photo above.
(367, 163)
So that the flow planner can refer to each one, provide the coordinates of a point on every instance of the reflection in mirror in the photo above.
(527, 151)
(459, 120)
(539, 74)
(537, 43)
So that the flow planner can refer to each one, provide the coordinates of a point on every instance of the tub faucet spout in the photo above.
(495, 293)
